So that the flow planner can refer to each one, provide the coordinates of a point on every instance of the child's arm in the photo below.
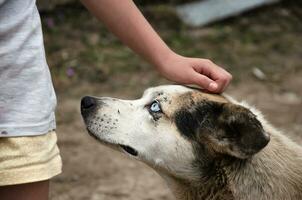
(124, 19)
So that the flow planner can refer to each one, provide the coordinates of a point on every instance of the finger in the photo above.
(228, 81)
(225, 79)
(203, 66)
(209, 83)
(214, 72)
(204, 82)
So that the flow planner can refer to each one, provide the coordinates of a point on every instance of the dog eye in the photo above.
(155, 106)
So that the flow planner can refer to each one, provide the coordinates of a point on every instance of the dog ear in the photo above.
(239, 131)
(224, 127)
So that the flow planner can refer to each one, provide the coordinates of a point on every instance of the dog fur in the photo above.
(205, 146)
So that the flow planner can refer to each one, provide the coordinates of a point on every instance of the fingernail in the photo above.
(213, 86)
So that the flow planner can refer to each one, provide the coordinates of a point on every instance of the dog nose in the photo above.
(88, 103)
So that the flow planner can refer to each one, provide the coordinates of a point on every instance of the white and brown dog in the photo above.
(205, 146)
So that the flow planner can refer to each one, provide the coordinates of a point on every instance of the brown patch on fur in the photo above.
(188, 100)
(200, 96)
(194, 97)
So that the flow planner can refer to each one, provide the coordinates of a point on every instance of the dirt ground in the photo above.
(94, 172)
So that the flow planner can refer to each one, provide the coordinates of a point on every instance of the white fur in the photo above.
(158, 144)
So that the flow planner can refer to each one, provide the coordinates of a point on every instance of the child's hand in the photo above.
(201, 72)
(125, 20)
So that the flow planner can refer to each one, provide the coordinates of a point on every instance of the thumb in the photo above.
(204, 82)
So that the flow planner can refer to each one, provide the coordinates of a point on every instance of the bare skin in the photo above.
(125, 20)
(28, 191)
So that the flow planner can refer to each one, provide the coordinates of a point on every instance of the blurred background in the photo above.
(261, 47)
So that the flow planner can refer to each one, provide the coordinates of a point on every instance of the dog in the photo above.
(205, 146)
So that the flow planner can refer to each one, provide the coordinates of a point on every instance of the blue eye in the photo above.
(155, 106)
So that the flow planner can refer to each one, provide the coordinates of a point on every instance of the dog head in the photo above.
(171, 127)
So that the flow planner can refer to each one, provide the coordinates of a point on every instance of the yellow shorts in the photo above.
(29, 159)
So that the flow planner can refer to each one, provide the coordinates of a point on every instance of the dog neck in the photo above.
(184, 190)
(208, 185)
(270, 174)
(273, 173)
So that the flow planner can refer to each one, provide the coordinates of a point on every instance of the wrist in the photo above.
(165, 59)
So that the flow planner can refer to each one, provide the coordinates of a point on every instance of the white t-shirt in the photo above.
(27, 97)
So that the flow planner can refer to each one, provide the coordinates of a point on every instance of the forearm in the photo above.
(124, 19)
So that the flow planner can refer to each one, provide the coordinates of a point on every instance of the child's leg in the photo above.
(27, 164)
(28, 191)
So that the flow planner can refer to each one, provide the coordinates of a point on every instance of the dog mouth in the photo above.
(129, 150)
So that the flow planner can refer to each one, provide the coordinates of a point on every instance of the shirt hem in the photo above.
(28, 130)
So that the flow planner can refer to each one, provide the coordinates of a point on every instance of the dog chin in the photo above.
(100, 139)
(114, 144)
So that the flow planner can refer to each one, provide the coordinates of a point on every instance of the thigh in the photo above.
(29, 191)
